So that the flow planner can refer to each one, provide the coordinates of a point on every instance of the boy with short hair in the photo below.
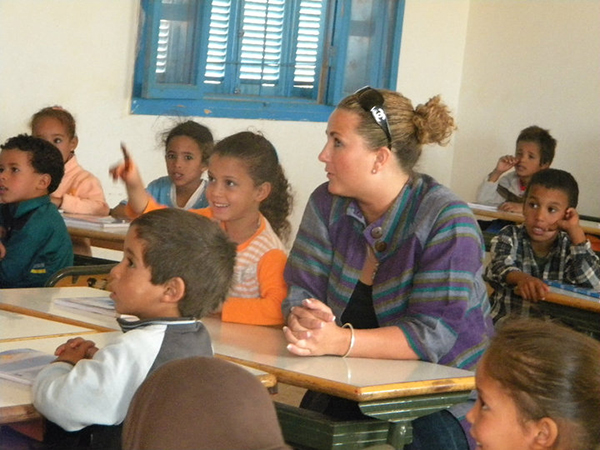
(35, 241)
(534, 151)
(177, 267)
(549, 245)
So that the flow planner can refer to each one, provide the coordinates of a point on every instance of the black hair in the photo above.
(556, 179)
(45, 157)
(199, 133)
(543, 139)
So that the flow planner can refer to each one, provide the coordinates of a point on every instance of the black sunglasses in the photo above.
(371, 101)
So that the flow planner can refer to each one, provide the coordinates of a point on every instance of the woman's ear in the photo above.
(174, 290)
(547, 434)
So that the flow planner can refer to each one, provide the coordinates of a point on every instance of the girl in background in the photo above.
(187, 148)
(250, 197)
(79, 192)
(539, 388)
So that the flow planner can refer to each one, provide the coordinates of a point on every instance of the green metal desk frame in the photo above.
(391, 423)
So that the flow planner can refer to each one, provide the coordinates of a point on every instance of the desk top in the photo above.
(15, 398)
(38, 302)
(358, 379)
(264, 348)
(587, 225)
(16, 326)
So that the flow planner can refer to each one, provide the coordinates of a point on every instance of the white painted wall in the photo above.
(476, 54)
(531, 62)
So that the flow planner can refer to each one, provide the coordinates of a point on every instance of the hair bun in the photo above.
(433, 122)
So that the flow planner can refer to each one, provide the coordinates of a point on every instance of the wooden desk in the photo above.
(15, 398)
(588, 226)
(580, 314)
(18, 327)
(394, 392)
(37, 302)
(110, 239)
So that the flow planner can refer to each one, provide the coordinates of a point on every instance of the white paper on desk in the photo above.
(23, 364)
(95, 222)
(483, 207)
(98, 305)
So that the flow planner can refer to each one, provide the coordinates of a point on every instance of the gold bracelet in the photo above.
(352, 338)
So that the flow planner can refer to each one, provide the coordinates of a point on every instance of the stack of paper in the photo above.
(98, 305)
(95, 222)
(22, 365)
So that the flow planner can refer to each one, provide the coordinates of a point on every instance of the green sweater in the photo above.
(37, 243)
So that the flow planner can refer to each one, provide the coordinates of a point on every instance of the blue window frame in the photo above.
(269, 59)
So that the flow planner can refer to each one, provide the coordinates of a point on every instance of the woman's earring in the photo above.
(373, 170)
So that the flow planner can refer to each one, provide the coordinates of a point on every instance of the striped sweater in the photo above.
(258, 287)
(429, 281)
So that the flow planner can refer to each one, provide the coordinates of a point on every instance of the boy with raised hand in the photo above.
(534, 151)
(549, 245)
(35, 242)
(176, 268)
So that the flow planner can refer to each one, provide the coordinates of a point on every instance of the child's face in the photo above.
(231, 192)
(184, 162)
(542, 209)
(18, 180)
(495, 419)
(530, 162)
(52, 130)
(129, 282)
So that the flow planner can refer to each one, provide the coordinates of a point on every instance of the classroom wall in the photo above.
(525, 63)
(80, 55)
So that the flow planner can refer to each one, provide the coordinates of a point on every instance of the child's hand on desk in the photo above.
(511, 207)
(527, 286)
(74, 350)
(570, 224)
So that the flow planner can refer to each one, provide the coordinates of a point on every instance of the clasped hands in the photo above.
(74, 350)
(311, 330)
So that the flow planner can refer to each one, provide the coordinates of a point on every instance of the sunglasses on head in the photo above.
(371, 101)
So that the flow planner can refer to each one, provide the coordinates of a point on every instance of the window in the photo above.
(271, 59)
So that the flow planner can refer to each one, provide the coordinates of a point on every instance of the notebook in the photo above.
(95, 222)
(23, 364)
(573, 291)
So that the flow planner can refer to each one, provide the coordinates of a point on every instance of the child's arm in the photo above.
(265, 310)
(19, 252)
(527, 286)
(506, 267)
(488, 194)
(84, 196)
(128, 172)
(504, 164)
(571, 225)
(512, 207)
(583, 265)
